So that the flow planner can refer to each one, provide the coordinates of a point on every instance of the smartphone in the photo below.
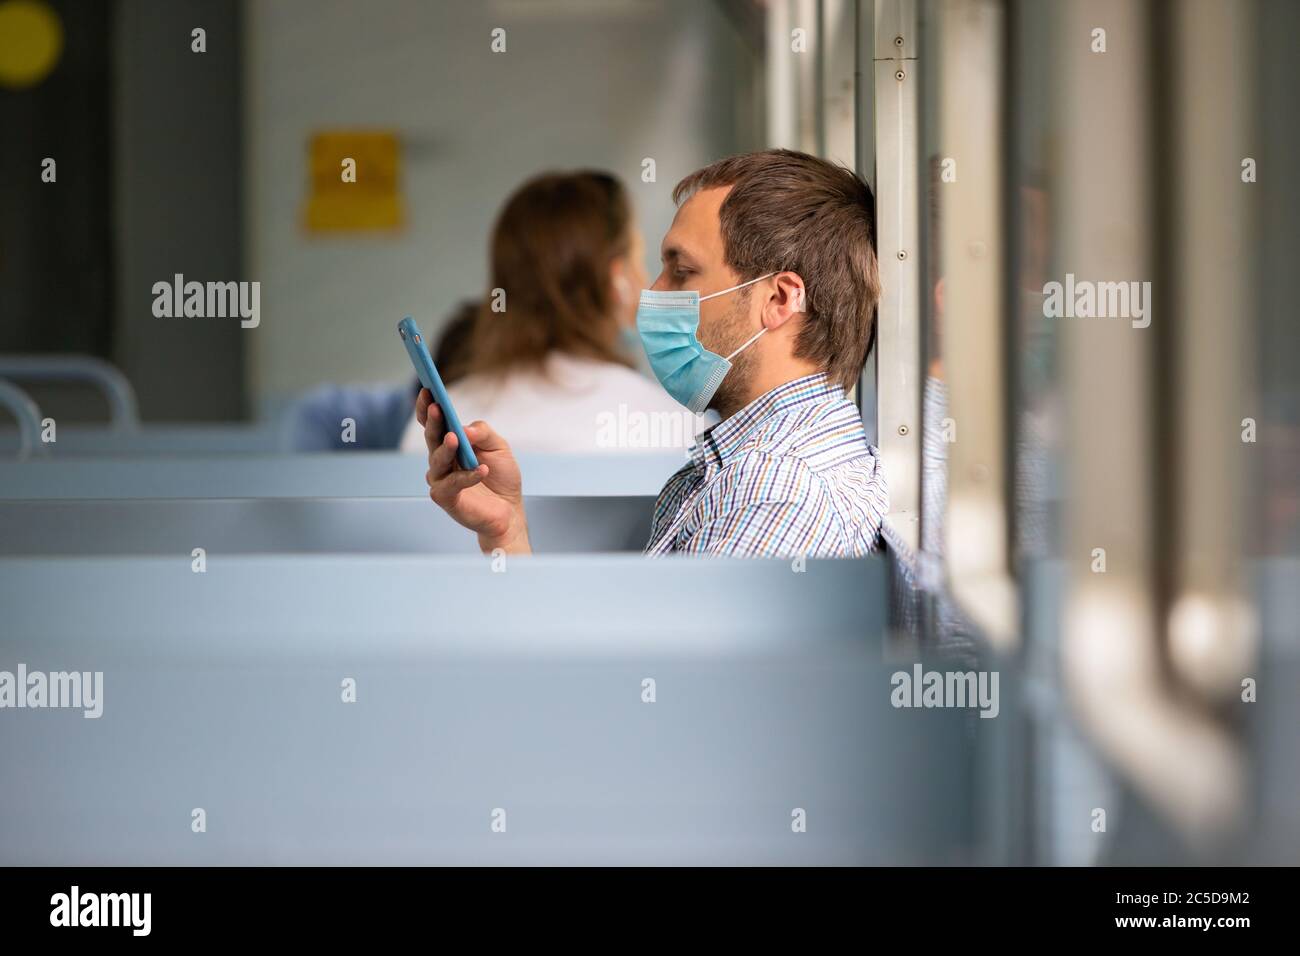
(430, 379)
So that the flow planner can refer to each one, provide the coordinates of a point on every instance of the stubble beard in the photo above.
(730, 334)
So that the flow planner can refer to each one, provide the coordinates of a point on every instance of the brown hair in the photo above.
(793, 212)
(551, 249)
(451, 354)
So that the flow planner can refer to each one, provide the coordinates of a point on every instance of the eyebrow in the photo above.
(675, 253)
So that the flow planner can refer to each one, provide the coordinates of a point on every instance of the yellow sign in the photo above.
(354, 182)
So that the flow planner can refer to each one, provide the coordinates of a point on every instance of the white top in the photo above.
(572, 405)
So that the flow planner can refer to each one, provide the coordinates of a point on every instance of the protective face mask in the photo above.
(667, 323)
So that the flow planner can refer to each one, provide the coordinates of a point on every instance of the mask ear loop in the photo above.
(752, 339)
(714, 295)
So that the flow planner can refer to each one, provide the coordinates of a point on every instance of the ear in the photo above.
(786, 302)
(618, 280)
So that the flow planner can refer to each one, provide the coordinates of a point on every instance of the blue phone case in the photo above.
(430, 379)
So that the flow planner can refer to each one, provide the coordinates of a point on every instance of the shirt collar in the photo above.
(718, 443)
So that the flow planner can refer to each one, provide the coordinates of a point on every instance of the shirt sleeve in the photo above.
(412, 437)
(766, 507)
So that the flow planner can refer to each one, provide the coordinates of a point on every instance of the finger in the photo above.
(460, 480)
(434, 431)
(482, 437)
(422, 406)
(445, 490)
(442, 457)
(472, 477)
(432, 478)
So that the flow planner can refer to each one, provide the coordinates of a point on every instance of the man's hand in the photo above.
(488, 500)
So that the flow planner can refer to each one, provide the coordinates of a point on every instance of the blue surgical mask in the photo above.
(668, 323)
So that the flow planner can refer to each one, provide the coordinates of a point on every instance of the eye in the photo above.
(681, 275)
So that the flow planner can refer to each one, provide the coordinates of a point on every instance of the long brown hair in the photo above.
(551, 250)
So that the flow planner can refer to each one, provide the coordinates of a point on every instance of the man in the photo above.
(763, 312)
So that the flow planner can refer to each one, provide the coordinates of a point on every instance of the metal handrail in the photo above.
(123, 410)
(26, 412)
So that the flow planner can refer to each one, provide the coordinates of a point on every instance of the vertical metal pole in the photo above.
(864, 161)
(973, 236)
(1168, 746)
(898, 334)
(1212, 625)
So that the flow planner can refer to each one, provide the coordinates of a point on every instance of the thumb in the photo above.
(484, 438)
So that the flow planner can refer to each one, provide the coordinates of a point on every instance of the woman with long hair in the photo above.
(549, 359)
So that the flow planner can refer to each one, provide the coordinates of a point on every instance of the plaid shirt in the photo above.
(790, 474)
